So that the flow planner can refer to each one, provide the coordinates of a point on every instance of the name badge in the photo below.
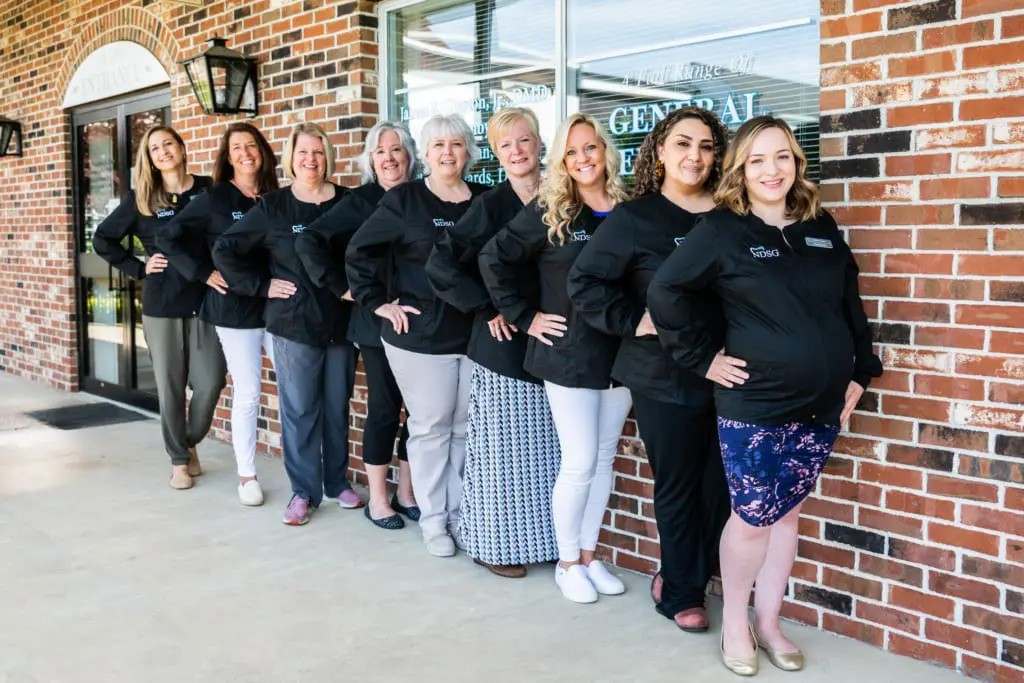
(816, 242)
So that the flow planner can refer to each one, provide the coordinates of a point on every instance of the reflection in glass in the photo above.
(98, 181)
(473, 58)
(755, 58)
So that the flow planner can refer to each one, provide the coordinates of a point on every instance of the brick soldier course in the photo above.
(914, 541)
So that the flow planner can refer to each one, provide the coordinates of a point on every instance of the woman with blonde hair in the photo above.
(796, 359)
(424, 338)
(572, 358)
(244, 169)
(314, 363)
(677, 170)
(511, 446)
(184, 349)
(388, 160)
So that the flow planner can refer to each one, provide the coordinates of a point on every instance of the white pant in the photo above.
(242, 351)
(589, 423)
(435, 389)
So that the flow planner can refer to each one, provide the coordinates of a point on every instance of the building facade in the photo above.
(912, 114)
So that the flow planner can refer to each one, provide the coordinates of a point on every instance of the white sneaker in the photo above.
(441, 545)
(603, 580)
(250, 493)
(574, 584)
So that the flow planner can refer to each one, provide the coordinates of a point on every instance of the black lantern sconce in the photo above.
(224, 81)
(10, 138)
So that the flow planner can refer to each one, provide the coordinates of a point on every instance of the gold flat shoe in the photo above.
(741, 666)
(787, 661)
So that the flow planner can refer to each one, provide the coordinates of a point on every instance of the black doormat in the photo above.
(86, 415)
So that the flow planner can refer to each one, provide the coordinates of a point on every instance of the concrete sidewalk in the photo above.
(109, 575)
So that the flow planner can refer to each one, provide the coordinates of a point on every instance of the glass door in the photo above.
(113, 358)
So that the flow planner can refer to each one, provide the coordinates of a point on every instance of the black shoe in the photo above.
(391, 523)
(412, 512)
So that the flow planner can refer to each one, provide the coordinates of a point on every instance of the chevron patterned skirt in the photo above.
(512, 459)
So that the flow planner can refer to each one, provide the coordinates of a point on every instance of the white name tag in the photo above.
(816, 242)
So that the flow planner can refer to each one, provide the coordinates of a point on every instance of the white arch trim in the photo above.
(114, 69)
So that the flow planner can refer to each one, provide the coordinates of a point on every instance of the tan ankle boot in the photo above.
(194, 468)
(180, 478)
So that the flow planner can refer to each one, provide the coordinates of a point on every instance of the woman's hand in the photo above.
(217, 282)
(157, 263)
(645, 327)
(501, 329)
(347, 296)
(725, 370)
(280, 289)
(396, 314)
(853, 393)
(547, 323)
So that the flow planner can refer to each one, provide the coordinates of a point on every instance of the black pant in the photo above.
(691, 502)
(383, 409)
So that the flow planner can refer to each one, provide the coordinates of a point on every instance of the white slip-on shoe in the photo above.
(574, 584)
(250, 493)
(441, 545)
(603, 580)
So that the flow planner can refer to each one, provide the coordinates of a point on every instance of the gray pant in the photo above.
(435, 389)
(314, 385)
(185, 352)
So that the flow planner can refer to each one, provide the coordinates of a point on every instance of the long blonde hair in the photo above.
(802, 201)
(150, 195)
(558, 196)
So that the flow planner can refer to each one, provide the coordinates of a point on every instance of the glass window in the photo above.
(472, 58)
(628, 68)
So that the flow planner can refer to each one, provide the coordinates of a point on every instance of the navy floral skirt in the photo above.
(770, 469)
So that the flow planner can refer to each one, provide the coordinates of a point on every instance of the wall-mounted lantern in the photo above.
(10, 138)
(224, 81)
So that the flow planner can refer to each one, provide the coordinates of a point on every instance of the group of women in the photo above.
(519, 325)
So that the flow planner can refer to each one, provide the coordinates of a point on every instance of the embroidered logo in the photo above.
(761, 252)
(816, 242)
(679, 240)
(443, 223)
(298, 228)
(237, 215)
(165, 213)
(579, 236)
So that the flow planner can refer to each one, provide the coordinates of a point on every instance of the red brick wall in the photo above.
(914, 540)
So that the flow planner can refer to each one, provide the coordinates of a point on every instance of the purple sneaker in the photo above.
(349, 500)
(297, 512)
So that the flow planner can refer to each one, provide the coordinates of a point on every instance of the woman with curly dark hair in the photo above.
(677, 170)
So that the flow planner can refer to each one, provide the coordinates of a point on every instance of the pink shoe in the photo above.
(349, 500)
(297, 512)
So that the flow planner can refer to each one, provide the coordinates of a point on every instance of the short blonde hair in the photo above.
(289, 149)
(507, 117)
(448, 125)
(803, 201)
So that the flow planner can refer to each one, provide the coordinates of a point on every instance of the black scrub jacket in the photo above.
(792, 311)
(454, 273)
(167, 294)
(392, 247)
(202, 222)
(312, 315)
(321, 249)
(608, 286)
(583, 357)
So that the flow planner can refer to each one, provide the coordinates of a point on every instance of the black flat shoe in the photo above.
(391, 523)
(412, 512)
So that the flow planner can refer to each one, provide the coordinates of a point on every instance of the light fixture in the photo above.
(10, 138)
(224, 81)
